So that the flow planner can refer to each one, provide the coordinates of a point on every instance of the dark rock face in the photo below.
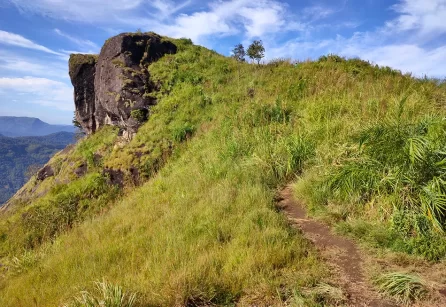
(81, 170)
(45, 172)
(82, 71)
(115, 177)
(116, 90)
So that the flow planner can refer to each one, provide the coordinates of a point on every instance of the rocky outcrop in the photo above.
(115, 88)
(82, 71)
(45, 172)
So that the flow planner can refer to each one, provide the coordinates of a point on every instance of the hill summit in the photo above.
(172, 198)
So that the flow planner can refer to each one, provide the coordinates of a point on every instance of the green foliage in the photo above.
(100, 142)
(183, 43)
(139, 115)
(239, 53)
(331, 58)
(75, 122)
(59, 211)
(77, 60)
(406, 288)
(182, 132)
(256, 51)
(402, 161)
(105, 295)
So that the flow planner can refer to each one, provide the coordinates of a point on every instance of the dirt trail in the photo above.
(341, 254)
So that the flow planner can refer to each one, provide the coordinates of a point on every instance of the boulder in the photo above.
(45, 172)
(81, 170)
(114, 177)
(116, 88)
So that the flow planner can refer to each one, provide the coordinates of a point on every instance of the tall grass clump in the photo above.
(104, 294)
(402, 163)
(406, 288)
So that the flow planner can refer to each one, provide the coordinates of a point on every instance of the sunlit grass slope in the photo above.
(203, 228)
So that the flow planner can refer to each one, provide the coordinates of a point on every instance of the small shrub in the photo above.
(269, 113)
(280, 62)
(183, 43)
(140, 115)
(183, 131)
(404, 287)
(331, 58)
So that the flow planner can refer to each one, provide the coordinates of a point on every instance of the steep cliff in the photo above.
(115, 87)
(82, 69)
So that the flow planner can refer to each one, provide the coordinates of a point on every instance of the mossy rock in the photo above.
(76, 60)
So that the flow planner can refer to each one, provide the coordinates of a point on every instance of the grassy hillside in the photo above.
(191, 218)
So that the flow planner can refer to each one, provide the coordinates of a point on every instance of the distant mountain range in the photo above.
(29, 126)
(17, 154)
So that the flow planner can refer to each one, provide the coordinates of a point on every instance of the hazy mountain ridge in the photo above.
(18, 153)
(12, 126)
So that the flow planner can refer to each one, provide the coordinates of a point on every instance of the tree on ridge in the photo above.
(256, 51)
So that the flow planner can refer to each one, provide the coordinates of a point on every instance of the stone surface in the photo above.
(114, 177)
(81, 170)
(116, 88)
(45, 172)
(82, 71)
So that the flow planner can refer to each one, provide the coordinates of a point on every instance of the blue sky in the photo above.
(37, 36)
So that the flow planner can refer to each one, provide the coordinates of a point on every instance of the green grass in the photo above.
(203, 228)
(397, 164)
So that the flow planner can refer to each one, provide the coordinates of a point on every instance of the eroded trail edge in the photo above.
(342, 255)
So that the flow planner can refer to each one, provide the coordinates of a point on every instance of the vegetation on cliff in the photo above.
(187, 213)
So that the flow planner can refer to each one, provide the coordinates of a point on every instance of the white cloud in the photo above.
(166, 8)
(262, 19)
(405, 57)
(225, 18)
(14, 63)
(427, 16)
(13, 39)
(218, 18)
(83, 43)
(317, 12)
(403, 43)
(90, 11)
(191, 26)
(42, 91)
(98, 11)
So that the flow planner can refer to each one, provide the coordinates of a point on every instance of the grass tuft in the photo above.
(104, 294)
(404, 287)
